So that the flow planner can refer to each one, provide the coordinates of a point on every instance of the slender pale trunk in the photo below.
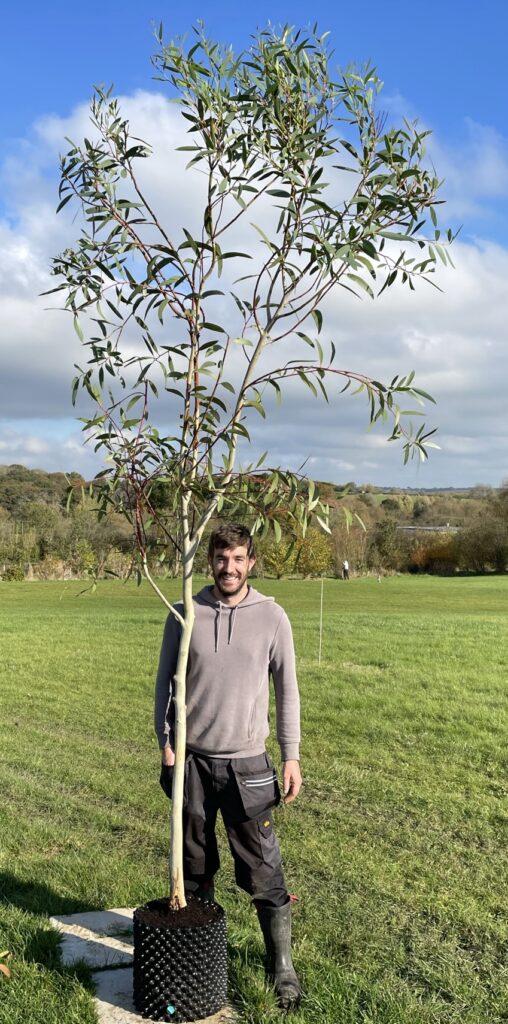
(177, 892)
(177, 888)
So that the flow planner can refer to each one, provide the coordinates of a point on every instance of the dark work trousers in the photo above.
(245, 791)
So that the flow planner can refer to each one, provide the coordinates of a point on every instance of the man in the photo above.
(239, 639)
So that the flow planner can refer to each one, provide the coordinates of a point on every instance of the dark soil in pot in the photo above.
(180, 960)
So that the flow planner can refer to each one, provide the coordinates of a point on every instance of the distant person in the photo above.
(345, 569)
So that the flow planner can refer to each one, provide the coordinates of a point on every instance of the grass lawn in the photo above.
(396, 848)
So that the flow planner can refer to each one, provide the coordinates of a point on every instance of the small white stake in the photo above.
(321, 624)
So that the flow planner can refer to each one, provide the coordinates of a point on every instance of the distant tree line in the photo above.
(45, 535)
(49, 529)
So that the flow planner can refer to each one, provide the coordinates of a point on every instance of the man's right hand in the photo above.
(168, 756)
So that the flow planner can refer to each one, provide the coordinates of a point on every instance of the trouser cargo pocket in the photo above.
(258, 787)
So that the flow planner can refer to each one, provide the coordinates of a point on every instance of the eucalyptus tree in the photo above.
(187, 331)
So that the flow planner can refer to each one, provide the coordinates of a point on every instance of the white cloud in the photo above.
(12, 442)
(64, 453)
(456, 341)
(475, 169)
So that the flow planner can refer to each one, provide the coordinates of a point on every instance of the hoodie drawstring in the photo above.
(217, 627)
(231, 625)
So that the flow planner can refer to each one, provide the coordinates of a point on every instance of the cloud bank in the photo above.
(455, 340)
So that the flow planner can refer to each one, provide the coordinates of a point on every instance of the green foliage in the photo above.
(46, 536)
(387, 545)
(484, 544)
(314, 553)
(52, 538)
(277, 558)
(84, 558)
(265, 130)
(20, 486)
(271, 129)
(13, 573)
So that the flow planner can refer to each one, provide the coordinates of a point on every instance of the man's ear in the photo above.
(252, 562)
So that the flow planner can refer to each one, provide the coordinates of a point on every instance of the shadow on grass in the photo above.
(31, 940)
(37, 898)
(40, 945)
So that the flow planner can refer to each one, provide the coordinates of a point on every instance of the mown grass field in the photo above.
(396, 848)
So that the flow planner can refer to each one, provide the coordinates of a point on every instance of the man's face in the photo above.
(230, 569)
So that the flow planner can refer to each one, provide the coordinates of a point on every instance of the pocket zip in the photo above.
(259, 782)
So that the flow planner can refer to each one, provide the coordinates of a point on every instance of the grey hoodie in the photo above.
(233, 652)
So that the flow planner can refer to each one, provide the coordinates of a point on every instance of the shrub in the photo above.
(434, 553)
(13, 573)
(118, 563)
(50, 568)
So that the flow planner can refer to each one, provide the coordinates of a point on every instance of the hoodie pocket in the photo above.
(258, 790)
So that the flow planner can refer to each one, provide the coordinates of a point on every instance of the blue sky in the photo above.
(443, 63)
(447, 58)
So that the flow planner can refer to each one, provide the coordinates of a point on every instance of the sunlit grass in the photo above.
(396, 847)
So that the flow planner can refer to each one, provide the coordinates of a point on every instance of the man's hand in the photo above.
(291, 780)
(168, 756)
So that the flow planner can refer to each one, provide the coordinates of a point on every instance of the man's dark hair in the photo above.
(230, 535)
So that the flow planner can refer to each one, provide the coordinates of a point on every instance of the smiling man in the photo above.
(240, 639)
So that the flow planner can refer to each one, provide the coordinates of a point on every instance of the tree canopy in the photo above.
(211, 318)
(217, 328)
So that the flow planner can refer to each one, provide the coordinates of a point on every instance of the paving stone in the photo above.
(114, 1000)
(99, 938)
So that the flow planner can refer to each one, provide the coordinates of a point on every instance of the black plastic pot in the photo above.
(180, 960)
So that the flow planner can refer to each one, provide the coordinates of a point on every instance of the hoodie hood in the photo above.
(206, 596)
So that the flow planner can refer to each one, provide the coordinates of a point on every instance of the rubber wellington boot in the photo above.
(276, 927)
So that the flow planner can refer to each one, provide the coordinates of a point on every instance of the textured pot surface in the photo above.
(180, 960)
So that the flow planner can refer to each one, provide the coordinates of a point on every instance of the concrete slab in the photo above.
(99, 938)
(114, 1000)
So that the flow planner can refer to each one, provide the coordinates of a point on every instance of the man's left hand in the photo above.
(291, 780)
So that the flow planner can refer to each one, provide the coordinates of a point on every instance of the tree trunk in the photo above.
(177, 890)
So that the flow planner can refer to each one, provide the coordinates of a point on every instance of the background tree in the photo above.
(499, 503)
(277, 557)
(160, 313)
(388, 546)
(314, 557)
(432, 552)
(483, 545)
(350, 541)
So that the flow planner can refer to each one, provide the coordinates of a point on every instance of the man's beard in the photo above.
(230, 593)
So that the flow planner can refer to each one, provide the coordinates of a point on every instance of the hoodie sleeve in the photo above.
(164, 684)
(287, 698)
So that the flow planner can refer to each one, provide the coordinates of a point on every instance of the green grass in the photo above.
(396, 847)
